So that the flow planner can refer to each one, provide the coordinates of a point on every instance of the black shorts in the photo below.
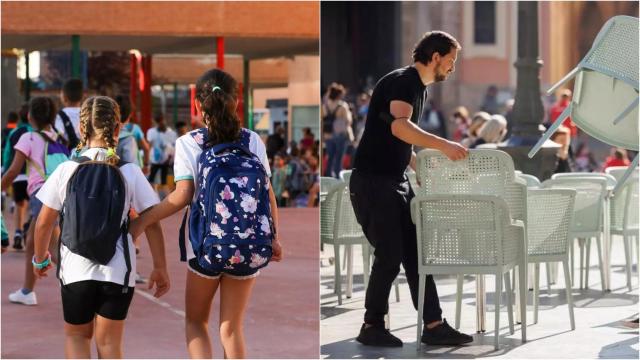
(82, 300)
(20, 191)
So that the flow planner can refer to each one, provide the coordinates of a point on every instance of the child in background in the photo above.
(278, 180)
(31, 149)
(96, 296)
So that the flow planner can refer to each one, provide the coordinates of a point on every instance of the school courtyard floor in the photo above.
(598, 332)
(281, 322)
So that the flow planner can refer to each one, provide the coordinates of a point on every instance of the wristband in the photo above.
(42, 264)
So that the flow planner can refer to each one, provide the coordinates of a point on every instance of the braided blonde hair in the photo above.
(99, 116)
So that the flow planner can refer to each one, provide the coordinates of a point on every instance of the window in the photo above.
(484, 22)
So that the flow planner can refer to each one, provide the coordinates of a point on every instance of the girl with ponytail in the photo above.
(216, 100)
(96, 295)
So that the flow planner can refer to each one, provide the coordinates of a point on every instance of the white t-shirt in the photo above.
(140, 196)
(185, 166)
(74, 115)
(162, 144)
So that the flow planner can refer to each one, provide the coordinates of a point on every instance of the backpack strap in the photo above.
(181, 237)
(127, 255)
(69, 129)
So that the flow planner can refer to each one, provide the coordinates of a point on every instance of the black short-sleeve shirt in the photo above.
(380, 152)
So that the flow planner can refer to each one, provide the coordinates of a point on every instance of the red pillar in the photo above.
(145, 99)
(220, 52)
(194, 111)
(133, 85)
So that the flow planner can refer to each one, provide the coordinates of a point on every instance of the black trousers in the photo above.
(382, 207)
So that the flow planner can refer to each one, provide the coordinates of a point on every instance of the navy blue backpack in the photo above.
(231, 208)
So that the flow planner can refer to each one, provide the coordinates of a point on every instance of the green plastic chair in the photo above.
(588, 218)
(605, 101)
(532, 181)
(624, 215)
(345, 175)
(469, 234)
(338, 226)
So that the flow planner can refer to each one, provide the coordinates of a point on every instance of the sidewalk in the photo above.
(598, 331)
(284, 305)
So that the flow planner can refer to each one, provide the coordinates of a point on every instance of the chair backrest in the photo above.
(471, 230)
(328, 183)
(598, 100)
(550, 212)
(624, 205)
(345, 175)
(611, 180)
(618, 171)
(590, 194)
(345, 225)
(328, 208)
(532, 181)
(484, 172)
(614, 51)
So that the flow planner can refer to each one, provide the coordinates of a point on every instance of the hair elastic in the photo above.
(111, 152)
(214, 88)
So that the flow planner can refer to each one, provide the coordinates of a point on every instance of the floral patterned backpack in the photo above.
(230, 226)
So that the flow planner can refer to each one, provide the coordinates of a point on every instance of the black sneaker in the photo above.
(444, 334)
(377, 335)
(17, 240)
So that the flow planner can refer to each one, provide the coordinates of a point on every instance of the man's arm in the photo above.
(405, 130)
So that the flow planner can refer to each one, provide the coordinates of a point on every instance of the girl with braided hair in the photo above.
(31, 150)
(94, 299)
(216, 100)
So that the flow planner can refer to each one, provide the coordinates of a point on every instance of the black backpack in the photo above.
(92, 212)
(328, 119)
(72, 138)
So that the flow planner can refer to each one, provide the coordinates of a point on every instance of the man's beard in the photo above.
(439, 76)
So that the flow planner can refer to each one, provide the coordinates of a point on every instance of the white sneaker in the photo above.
(20, 298)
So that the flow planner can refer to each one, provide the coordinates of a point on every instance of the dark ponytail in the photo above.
(217, 92)
(43, 111)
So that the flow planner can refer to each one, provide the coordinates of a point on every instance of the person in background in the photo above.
(307, 139)
(479, 119)
(492, 132)
(336, 112)
(67, 121)
(490, 102)
(585, 162)
(162, 140)
(127, 112)
(433, 121)
(565, 157)
(276, 142)
(462, 122)
(559, 107)
(19, 185)
(618, 157)
(279, 179)
(181, 128)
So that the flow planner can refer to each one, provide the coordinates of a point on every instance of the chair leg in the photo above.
(366, 265)
(581, 245)
(523, 300)
(600, 260)
(567, 280)
(507, 284)
(338, 276)
(421, 290)
(571, 255)
(588, 263)
(536, 292)
(548, 268)
(397, 286)
(516, 286)
(497, 304)
(459, 300)
(627, 256)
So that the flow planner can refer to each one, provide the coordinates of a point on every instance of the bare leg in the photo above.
(109, 337)
(198, 297)
(77, 342)
(234, 298)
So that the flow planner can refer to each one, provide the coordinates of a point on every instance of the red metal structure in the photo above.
(145, 99)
